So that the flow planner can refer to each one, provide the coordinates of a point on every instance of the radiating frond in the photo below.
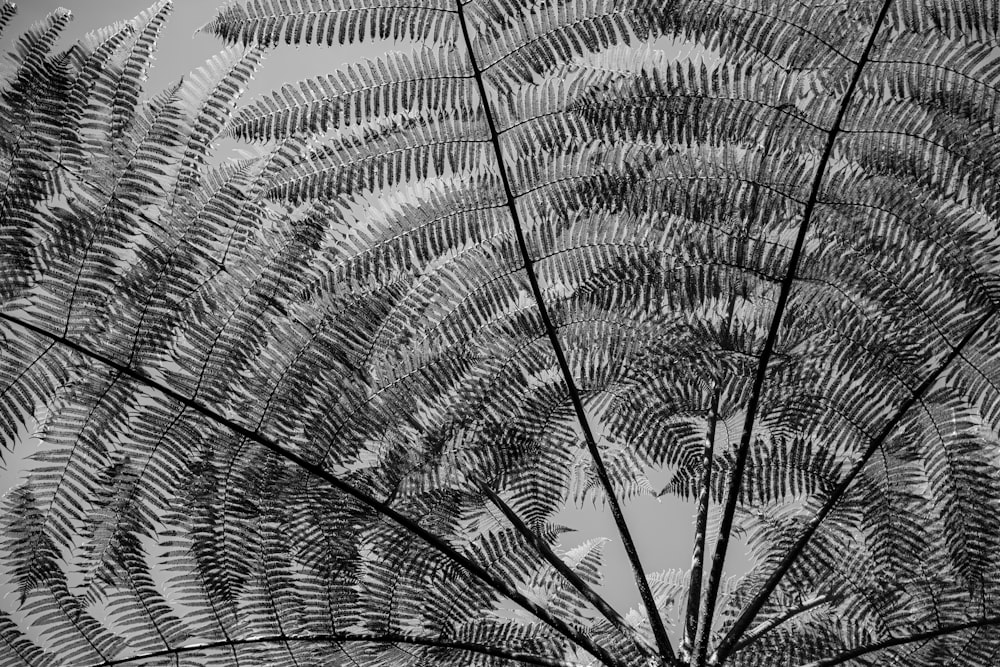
(776, 472)
(128, 87)
(427, 83)
(270, 22)
(326, 403)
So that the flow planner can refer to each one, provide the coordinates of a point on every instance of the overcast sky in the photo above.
(663, 530)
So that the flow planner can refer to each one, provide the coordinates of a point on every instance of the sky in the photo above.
(663, 528)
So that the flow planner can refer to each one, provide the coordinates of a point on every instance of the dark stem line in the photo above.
(726, 646)
(434, 541)
(333, 638)
(592, 596)
(772, 623)
(655, 621)
(701, 530)
(693, 613)
(859, 651)
(735, 482)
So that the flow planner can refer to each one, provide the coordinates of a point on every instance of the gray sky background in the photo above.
(663, 529)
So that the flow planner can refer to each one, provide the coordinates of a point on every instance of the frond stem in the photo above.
(655, 621)
(727, 645)
(701, 531)
(735, 482)
(772, 623)
(386, 638)
(857, 652)
(434, 541)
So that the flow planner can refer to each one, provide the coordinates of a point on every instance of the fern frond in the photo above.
(541, 40)
(408, 237)
(31, 559)
(32, 49)
(343, 166)
(776, 471)
(963, 484)
(368, 648)
(977, 652)
(7, 11)
(32, 115)
(426, 83)
(968, 19)
(270, 22)
(128, 87)
(544, 251)
(19, 648)
(91, 100)
(922, 69)
(210, 95)
(893, 521)
(29, 554)
(116, 211)
(68, 472)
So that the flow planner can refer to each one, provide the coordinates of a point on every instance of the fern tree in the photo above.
(322, 404)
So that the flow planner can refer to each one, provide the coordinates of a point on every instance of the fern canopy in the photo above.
(323, 403)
